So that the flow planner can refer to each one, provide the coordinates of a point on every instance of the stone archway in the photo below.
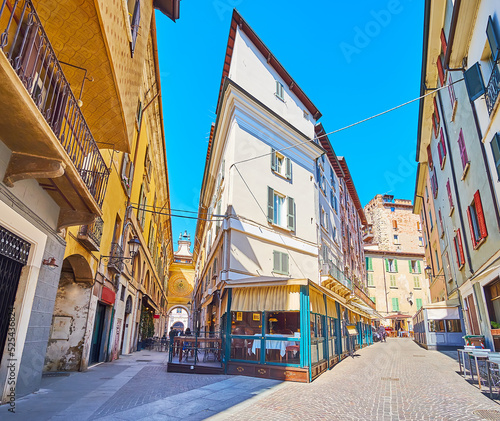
(65, 350)
(178, 314)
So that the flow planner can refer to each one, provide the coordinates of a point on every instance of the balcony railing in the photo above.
(116, 258)
(332, 269)
(91, 234)
(492, 89)
(25, 44)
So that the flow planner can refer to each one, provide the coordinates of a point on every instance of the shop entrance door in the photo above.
(97, 335)
(13, 256)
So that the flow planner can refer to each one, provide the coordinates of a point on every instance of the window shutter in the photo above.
(440, 70)
(223, 169)
(436, 111)
(480, 215)
(291, 214)
(429, 157)
(440, 154)
(288, 168)
(371, 263)
(434, 125)
(273, 159)
(460, 247)
(276, 261)
(443, 41)
(419, 303)
(395, 265)
(270, 204)
(443, 142)
(492, 39)
(419, 267)
(471, 226)
(136, 18)
(124, 165)
(284, 263)
(410, 267)
(448, 189)
(387, 265)
(495, 148)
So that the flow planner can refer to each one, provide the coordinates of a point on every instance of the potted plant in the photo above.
(495, 328)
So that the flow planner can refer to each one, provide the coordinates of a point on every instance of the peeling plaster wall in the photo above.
(66, 344)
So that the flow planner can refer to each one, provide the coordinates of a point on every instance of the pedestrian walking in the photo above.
(381, 332)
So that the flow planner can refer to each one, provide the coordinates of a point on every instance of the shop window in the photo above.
(436, 326)
(246, 323)
(453, 326)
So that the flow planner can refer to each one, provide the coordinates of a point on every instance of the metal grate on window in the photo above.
(13, 247)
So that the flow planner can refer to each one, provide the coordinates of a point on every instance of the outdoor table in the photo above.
(493, 359)
(274, 344)
(483, 355)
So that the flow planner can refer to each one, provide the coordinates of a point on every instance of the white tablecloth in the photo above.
(280, 345)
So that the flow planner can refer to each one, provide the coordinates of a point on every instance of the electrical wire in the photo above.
(350, 125)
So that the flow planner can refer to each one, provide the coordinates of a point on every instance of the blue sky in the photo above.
(353, 60)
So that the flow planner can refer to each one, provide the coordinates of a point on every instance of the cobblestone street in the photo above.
(396, 380)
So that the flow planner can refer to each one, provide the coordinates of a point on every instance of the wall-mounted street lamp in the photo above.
(428, 271)
(410, 298)
(117, 259)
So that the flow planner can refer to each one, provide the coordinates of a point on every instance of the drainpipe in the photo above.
(464, 237)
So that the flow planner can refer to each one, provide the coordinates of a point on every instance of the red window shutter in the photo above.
(480, 215)
(448, 189)
(440, 219)
(429, 156)
(434, 126)
(440, 153)
(436, 111)
(463, 150)
(443, 146)
(440, 70)
(460, 247)
(443, 41)
(473, 236)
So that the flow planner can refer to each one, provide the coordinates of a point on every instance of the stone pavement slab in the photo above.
(392, 381)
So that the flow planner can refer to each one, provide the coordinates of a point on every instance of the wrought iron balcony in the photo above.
(492, 89)
(331, 269)
(116, 258)
(27, 48)
(91, 235)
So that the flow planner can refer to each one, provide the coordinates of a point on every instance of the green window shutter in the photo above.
(276, 261)
(374, 300)
(387, 265)
(270, 204)
(395, 304)
(395, 265)
(291, 214)
(419, 267)
(284, 263)
(273, 159)
(419, 303)
(371, 263)
(366, 262)
(409, 265)
(288, 162)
